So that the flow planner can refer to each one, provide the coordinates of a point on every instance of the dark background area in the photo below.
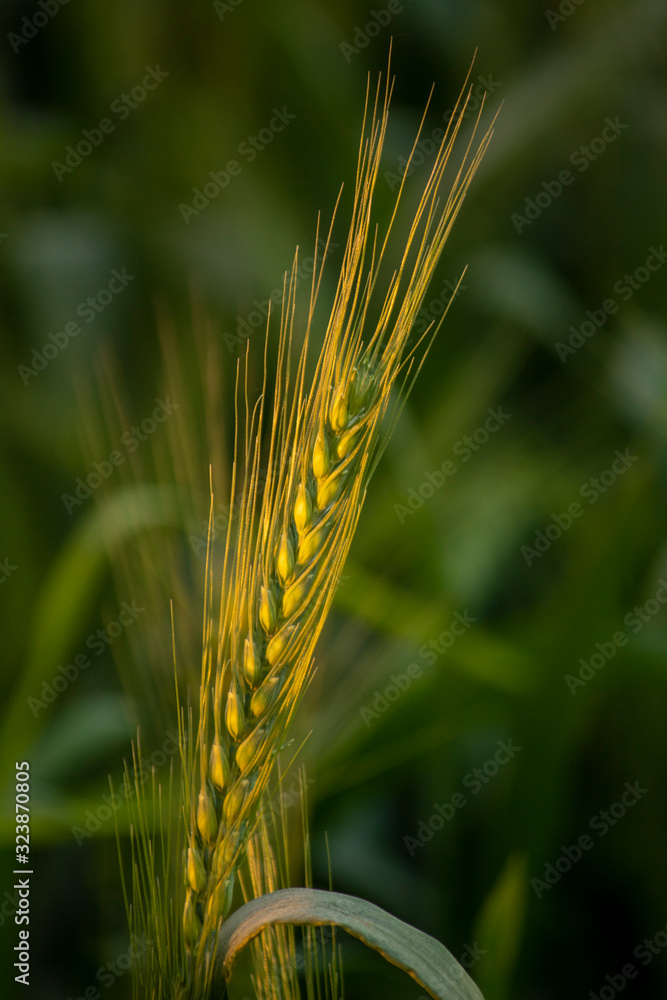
(559, 326)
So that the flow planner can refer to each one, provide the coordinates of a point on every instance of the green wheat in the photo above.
(283, 559)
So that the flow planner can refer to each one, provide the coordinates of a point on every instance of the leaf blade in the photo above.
(420, 955)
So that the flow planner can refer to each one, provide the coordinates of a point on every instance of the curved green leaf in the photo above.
(421, 956)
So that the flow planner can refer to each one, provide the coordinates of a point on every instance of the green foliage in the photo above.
(460, 550)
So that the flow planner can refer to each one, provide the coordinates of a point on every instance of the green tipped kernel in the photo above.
(218, 865)
(303, 509)
(228, 850)
(220, 901)
(311, 543)
(321, 459)
(295, 595)
(361, 382)
(346, 442)
(224, 856)
(252, 666)
(284, 559)
(329, 489)
(267, 609)
(195, 870)
(191, 923)
(207, 820)
(234, 714)
(264, 697)
(338, 410)
(246, 751)
(278, 644)
(234, 800)
(219, 766)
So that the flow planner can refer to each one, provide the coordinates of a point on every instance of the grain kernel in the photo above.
(247, 750)
(267, 609)
(321, 459)
(207, 821)
(311, 543)
(329, 489)
(264, 696)
(303, 509)
(278, 644)
(196, 872)
(338, 410)
(220, 901)
(191, 922)
(252, 667)
(219, 766)
(234, 800)
(346, 443)
(234, 714)
(295, 595)
(284, 559)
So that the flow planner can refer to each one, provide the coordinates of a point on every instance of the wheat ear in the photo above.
(285, 560)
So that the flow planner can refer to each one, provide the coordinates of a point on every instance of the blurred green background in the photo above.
(541, 534)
